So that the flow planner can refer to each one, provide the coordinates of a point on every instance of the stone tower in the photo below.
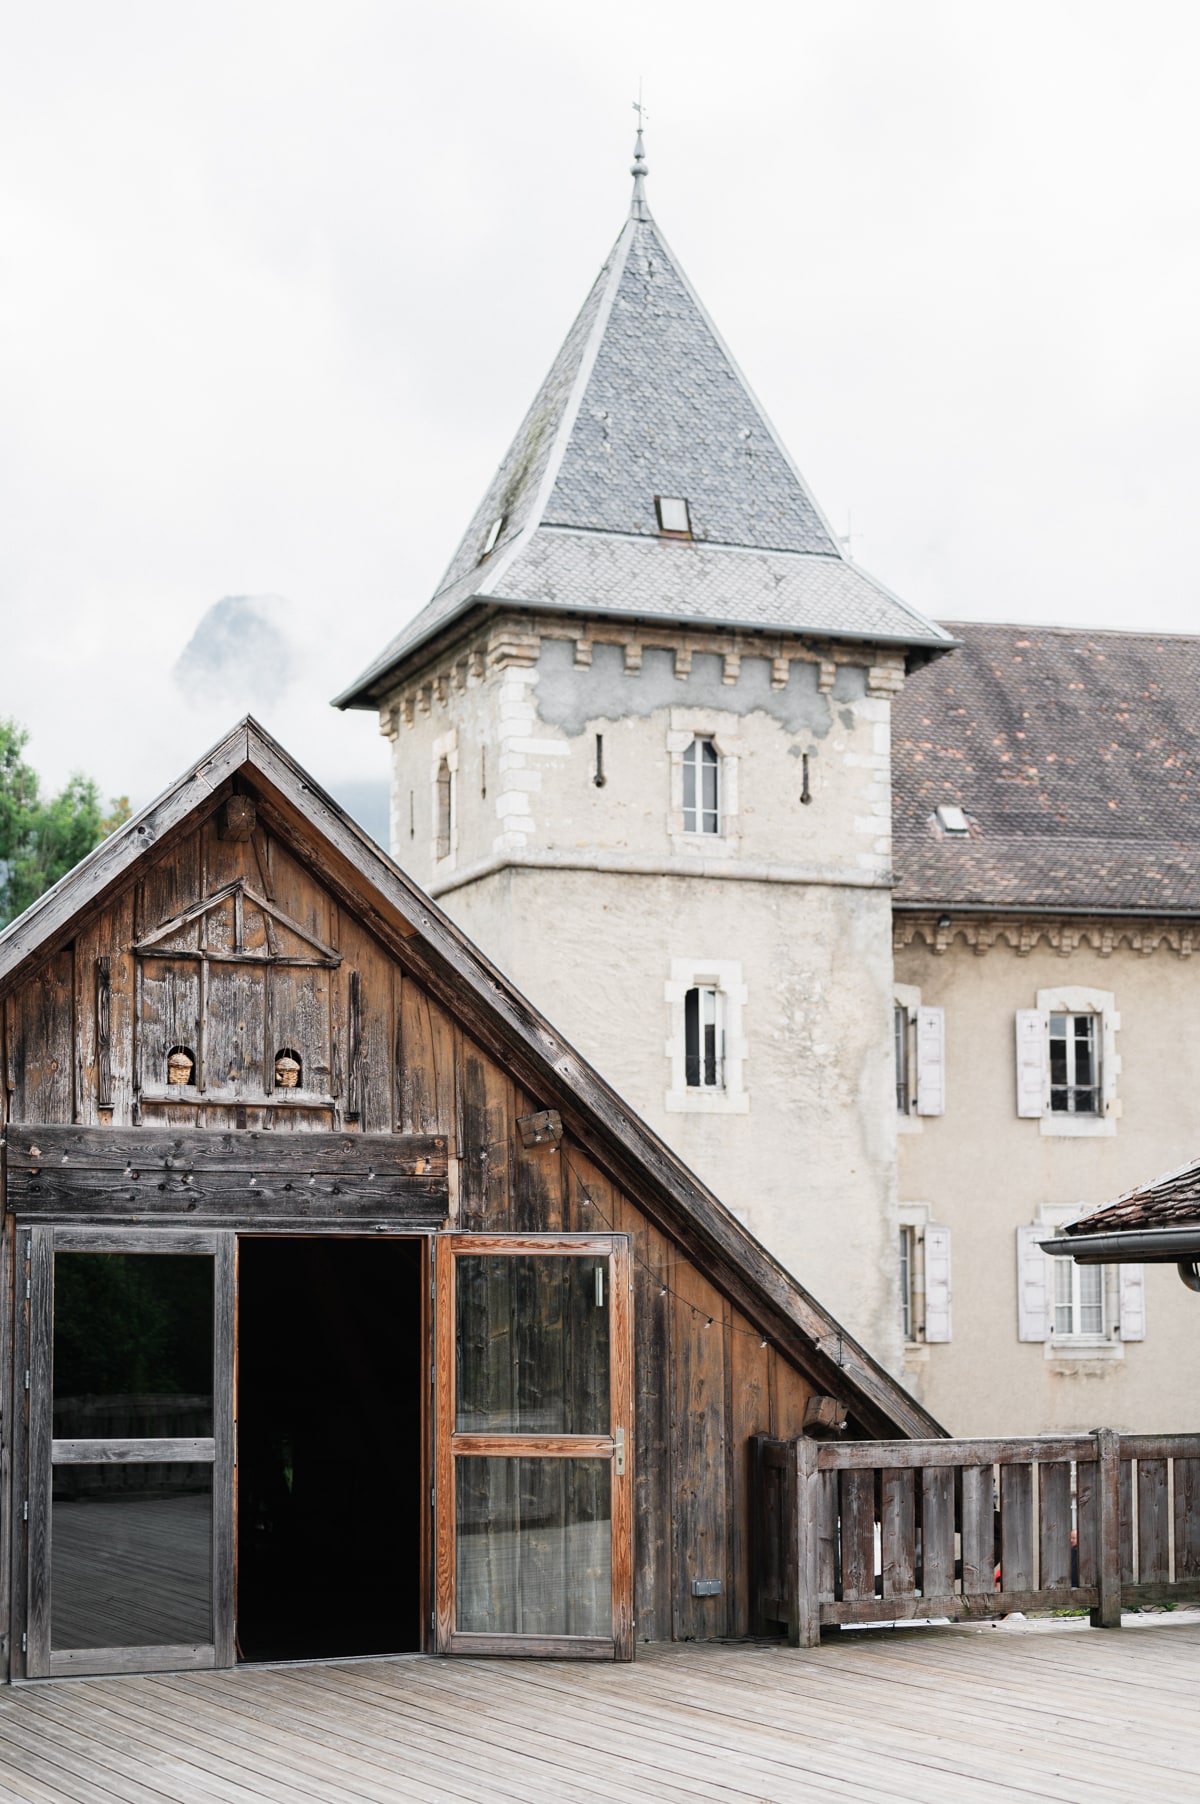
(641, 752)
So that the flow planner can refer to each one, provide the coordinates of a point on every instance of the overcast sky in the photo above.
(278, 280)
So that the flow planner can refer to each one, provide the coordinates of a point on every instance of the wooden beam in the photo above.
(48, 1150)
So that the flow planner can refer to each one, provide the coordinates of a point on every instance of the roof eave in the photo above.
(369, 690)
(1133, 1246)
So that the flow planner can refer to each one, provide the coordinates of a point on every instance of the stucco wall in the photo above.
(808, 1167)
(587, 896)
(984, 1171)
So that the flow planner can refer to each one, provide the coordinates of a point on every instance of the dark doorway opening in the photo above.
(329, 1447)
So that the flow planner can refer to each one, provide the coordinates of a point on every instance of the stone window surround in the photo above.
(723, 728)
(724, 975)
(1075, 999)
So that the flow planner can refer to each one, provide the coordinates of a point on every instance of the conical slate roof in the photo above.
(645, 400)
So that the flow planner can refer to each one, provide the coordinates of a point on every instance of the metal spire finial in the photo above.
(638, 169)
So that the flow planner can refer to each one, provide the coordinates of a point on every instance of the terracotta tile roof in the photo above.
(1170, 1202)
(1075, 755)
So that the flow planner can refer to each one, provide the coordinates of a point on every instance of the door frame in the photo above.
(617, 1446)
(43, 1451)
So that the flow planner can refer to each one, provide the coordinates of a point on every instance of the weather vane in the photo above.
(638, 170)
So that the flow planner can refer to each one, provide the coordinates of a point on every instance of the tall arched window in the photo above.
(701, 788)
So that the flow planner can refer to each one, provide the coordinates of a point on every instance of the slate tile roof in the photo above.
(1075, 755)
(643, 400)
(1171, 1201)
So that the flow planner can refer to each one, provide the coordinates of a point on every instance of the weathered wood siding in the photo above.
(379, 1055)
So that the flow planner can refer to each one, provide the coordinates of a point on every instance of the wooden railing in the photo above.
(877, 1531)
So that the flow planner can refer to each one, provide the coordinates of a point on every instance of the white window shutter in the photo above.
(1133, 1302)
(931, 1061)
(937, 1283)
(1033, 1285)
(1033, 1061)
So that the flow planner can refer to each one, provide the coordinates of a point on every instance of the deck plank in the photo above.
(1054, 1711)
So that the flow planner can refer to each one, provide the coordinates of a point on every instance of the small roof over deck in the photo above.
(1153, 1224)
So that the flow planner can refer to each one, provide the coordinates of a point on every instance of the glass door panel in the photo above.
(534, 1518)
(130, 1450)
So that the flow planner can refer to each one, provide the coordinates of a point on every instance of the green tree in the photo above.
(41, 840)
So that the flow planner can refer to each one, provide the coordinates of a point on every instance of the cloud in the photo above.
(238, 656)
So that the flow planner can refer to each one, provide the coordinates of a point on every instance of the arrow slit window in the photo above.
(704, 1037)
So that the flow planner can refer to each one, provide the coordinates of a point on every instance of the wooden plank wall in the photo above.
(704, 1383)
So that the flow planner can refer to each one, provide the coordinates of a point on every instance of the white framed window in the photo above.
(1078, 1300)
(919, 1056)
(908, 1312)
(703, 745)
(902, 1022)
(445, 798)
(1075, 1065)
(706, 1051)
(1067, 1061)
(701, 787)
(926, 1295)
(1076, 1311)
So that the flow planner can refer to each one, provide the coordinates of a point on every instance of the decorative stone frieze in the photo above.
(939, 930)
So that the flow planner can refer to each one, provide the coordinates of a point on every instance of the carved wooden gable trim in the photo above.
(234, 1009)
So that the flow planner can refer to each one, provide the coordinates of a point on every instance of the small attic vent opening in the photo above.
(952, 820)
(674, 516)
(493, 535)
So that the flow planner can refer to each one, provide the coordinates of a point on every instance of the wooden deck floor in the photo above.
(994, 1713)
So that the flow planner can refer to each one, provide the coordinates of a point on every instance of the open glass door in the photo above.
(533, 1512)
(130, 1451)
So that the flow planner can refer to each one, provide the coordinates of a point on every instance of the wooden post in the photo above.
(804, 1601)
(1108, 1529)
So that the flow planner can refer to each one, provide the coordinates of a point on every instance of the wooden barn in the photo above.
(346, 1311)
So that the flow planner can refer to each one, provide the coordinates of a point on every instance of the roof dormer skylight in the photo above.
(952, 820)
(674, 516)
(493, 534)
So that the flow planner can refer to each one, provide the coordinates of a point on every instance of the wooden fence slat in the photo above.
(937, 1532)
(1016, 1528)
(1154, 1523)
(858, 1535)
(978, 1531)
(1187, 1519)
(898, 1533)
(827, 1535)
(1087, 1508)
(1054, 1525)
(1126, 1532)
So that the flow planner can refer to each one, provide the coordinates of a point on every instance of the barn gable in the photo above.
(239, 1013)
